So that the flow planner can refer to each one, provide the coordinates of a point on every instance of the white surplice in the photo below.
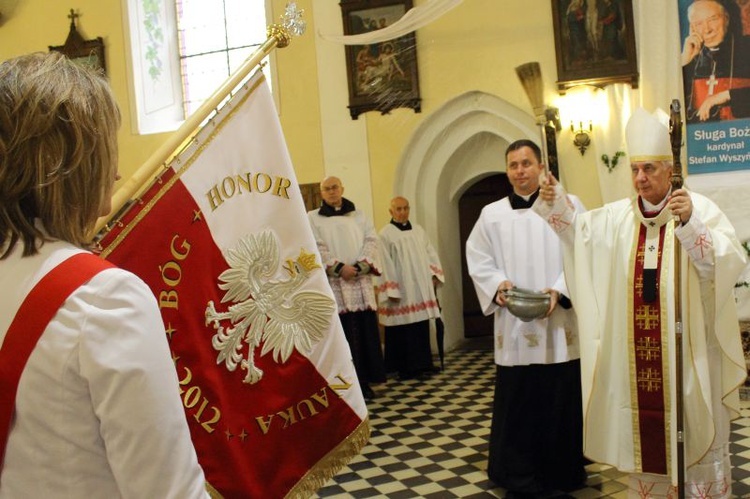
(414, 263)
(348, 239)
(599, 255)
(519, 246)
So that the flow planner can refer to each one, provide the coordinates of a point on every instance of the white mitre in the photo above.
(647, 136)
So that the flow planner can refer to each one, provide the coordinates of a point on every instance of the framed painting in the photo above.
(87, 52)
(381, 76)
(594, 43)
(311, 195)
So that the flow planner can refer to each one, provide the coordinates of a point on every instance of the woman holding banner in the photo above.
(89, 403)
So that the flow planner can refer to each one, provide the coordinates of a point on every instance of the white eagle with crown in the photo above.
(265, 310)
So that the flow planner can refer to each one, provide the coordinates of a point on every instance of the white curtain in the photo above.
(415, 18)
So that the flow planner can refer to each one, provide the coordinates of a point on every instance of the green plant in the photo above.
(611, 166)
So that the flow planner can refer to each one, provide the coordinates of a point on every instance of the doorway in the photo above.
(458, 145)
(485, 191)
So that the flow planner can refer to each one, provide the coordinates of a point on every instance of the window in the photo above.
(182, 50)
(215, 37)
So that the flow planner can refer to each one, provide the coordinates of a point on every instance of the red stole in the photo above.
(650, 354)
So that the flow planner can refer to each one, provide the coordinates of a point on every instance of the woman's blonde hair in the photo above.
(58, 150)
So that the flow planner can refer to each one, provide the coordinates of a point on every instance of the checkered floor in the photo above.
(429, 439)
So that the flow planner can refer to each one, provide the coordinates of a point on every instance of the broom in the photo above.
(530, 75)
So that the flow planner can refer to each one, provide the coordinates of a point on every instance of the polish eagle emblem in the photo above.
(264, 310)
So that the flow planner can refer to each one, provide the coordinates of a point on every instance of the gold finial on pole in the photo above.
(291, 24)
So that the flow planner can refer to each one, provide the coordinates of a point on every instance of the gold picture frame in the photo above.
(381, 76)
(594, 43)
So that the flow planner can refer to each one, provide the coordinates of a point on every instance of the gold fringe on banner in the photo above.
(332, 462)
(326, 468)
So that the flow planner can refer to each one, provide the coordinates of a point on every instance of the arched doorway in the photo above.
(456, 146)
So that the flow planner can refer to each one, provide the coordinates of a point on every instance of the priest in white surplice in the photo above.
(349, 250)
(536, 435)
(406, 314)
(619, 269)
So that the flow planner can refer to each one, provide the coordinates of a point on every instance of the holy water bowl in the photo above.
(526, 304)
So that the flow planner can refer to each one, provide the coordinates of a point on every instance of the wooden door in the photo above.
(482, 193)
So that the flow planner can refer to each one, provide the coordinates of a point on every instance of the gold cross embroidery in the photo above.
(532, 340)
(639, 286)
(646, 318)
(649, 379)
(647, 349)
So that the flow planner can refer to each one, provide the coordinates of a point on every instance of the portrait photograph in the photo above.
(715, 60)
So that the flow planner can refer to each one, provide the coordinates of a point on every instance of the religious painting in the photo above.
(382, 76)
(311, 195)
(594, 42)
(715, 60)
(86, 52)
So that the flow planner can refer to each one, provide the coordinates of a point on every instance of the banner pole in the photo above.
(279, 36)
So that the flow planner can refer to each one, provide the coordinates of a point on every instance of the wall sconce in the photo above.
(582, 139)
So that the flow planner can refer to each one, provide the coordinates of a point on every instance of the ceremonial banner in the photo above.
(715, 62)
(223, 241)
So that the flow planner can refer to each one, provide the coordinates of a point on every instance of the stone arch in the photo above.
(455, 146)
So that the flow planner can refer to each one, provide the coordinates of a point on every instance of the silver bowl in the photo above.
(526, 304)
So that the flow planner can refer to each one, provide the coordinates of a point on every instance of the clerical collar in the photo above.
(401, 226)
(650, 210)
(520, 202)
(327, 210)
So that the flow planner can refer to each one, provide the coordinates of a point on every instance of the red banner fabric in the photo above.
(267, 383)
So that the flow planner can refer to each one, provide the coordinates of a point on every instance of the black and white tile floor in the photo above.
(429, 439)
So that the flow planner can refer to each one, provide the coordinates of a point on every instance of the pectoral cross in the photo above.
(712, 81)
